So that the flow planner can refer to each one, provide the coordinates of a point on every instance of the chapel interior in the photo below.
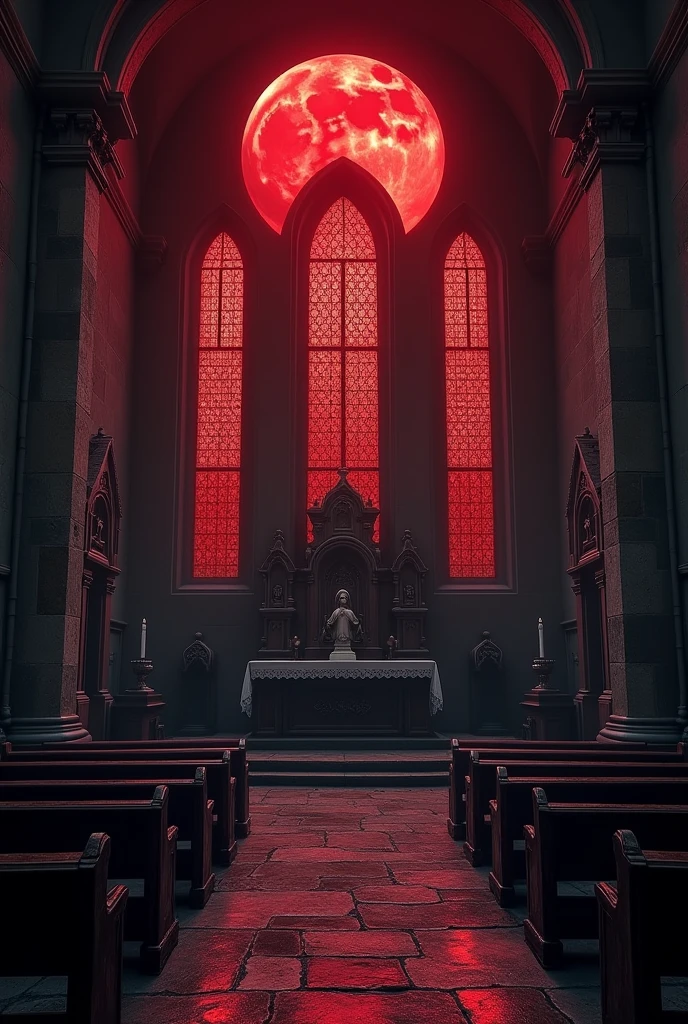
(344, 511)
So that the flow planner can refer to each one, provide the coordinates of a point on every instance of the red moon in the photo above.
(342, 106)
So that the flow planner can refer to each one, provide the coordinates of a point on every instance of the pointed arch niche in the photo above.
(343, 225)
(476, 519)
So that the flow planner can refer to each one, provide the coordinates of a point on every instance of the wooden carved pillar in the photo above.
(408, 607)
(278, 609)
(604, 701)
(82, 700)
(103, 514)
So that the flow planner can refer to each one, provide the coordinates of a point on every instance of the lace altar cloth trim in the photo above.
(342, 670)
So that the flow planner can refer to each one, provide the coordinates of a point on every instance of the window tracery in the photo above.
(218, 422)
(468, 413)
(343, 356)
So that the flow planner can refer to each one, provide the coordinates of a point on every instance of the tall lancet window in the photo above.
(218, 424)
(343, 355)
(469, 420)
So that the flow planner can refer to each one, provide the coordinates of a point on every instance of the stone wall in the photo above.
(575, 362)
(671, 130)
(16, 143)
(112, 362)
(177, 199)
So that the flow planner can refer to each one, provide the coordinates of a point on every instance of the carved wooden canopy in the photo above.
(278, 575)
(343, 555)
(342, 514)
(584, 506)
(103, 506)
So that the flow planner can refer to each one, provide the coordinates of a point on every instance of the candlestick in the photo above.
(143, 639)
(541, 639)
(542, 667)
(142, 668)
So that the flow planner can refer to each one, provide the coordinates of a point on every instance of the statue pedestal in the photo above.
(136, 715)
(343, 655)
(549, 712)
(136, 712)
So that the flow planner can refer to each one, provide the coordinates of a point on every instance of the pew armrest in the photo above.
(116, 900)
(607, 897)
(529, 836)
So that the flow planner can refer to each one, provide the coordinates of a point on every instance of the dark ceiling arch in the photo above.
(124, 32)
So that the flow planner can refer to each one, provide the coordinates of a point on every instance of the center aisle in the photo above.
(355, 907)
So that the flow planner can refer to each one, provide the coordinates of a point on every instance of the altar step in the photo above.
(370, 771)
(377, 744)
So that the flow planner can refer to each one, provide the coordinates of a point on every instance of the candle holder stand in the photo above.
(142, 668)
(136, 712)
(542, 667)
(549, 711)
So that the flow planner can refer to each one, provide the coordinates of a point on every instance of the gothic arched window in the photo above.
(343, 355)
(218, 422)
(469, 419)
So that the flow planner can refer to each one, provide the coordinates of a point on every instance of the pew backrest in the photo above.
(576, 838)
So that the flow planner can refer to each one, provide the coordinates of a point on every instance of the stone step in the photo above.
(348, 764)
(393, 744)
(358, 779)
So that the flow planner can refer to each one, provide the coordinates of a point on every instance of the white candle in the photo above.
(541, 638)
(143, 639)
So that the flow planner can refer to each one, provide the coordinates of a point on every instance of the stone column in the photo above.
(640, 627)
(46, 657)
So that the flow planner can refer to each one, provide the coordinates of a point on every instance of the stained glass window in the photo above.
(218, 424)
(343, 356)
(469, 420)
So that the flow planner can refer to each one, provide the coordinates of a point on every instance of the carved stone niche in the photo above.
(199, 689)
(343, 555)
(101, 542)
(586, 569)
(408, 606)
(488, 697)
(277, 611)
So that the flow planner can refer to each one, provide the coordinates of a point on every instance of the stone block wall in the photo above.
(671, 140)
(16, 141)
(573, 326)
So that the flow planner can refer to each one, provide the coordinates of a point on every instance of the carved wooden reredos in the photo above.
(588, 582)
(103, 515)
(103, 508)
(584, 509)
(342, 555)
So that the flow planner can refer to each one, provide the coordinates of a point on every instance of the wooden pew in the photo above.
(638, 946)
(481, 783)
(180, 743)
(189, 809)
(61, 919)
(573, 843)
(512, 809)
(460, 758)
(460, 754)
(143, 846)
(155, 750)
(221, 786)
(240, 767)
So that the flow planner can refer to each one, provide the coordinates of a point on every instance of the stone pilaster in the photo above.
(610, 150)
(76, 150)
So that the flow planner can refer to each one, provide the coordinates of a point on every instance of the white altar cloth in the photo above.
(394, 669)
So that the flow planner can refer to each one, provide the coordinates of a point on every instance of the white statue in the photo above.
(343, 627)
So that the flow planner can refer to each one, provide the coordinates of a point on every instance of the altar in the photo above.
(330, 698)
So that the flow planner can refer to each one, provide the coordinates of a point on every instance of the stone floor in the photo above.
(349, 907)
